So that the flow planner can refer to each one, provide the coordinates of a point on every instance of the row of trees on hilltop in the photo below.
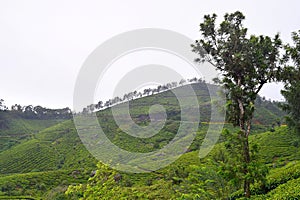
(36, 112)
(138, 94)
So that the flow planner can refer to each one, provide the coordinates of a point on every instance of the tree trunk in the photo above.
(247, 161)
(246, 151)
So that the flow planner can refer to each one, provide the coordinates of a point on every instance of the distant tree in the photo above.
(3, 120)
(291, 77)
(246, 64)
(125, 97)
(99, 105)
(130, 95)
(116, 100)
(159, 88)
(16, 107)
(108, 103)
(174, 84)
(139, 94)
(200, 80)
(169, 85)
(85, 111)
(153, 91)
(164, 87)
(135, 94)
(182, 81)
(192, 80)
(2, 105)
(29, 112)
(147, 91)
(91, 108)
(39, 111)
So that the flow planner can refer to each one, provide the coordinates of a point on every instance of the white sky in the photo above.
(44, 43)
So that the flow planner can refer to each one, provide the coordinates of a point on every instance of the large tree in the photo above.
(291, 77)
(245, 63)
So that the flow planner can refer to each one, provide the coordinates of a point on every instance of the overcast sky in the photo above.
(44, 43)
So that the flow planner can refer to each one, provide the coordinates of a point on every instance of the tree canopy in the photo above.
(245, 63)
(291, 77)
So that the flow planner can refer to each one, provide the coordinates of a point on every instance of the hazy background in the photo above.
(44, 43)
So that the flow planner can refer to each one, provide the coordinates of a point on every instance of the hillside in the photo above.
(283, 152)
(191, 178)
(52, 147)
(15, 129)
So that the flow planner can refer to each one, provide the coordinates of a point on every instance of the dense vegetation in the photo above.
(15, 129)
(291, 77)
(42, 157)
(246, 63)
(191, 178)
(50, 159)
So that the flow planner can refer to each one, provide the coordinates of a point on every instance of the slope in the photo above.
(59, 147)
(14, 129)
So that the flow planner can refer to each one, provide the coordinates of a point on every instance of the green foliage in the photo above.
(2, 105)
(59, 149)
(229, 161)
(277, 147)
(204, 182)
(290, 190)
(291, 77)
(281, 183)
(246, 64)
(276, 150)
(14, 129)
(105, 186)
(282, 175)
(37, 184)
(190, 178)
(18, 197)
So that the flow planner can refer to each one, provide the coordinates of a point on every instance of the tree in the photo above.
(2, 105)
(230, 162)
(29, 112)
(245, 63)
(16, 107)
(99, 105)
(147, 91)
(174, 84)
(182, 82)
(291, 77)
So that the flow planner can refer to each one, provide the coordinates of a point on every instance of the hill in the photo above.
(59, 147)
(192, 178)
(14, 129)
(52, 146)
